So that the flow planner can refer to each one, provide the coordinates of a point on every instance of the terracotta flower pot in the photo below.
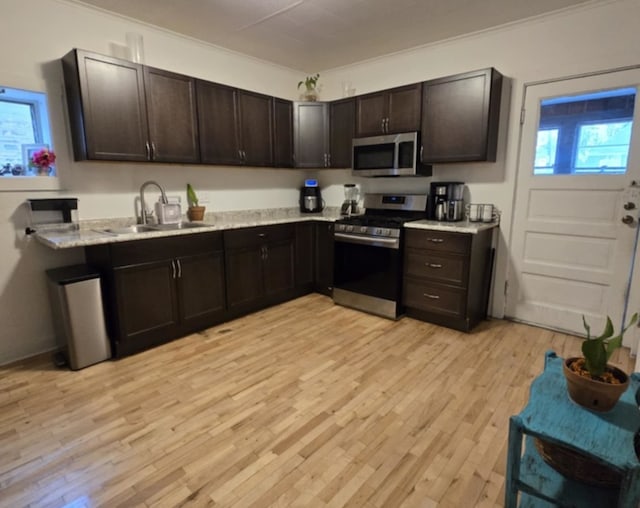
(591, 394)
(196, 213)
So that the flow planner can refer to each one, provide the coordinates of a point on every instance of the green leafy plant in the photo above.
(310, 82)
(192, 198)
(598, 350)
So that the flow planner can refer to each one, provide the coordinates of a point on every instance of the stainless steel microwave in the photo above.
(388, 155)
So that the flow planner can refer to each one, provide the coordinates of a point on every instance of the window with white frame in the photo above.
(24, 130)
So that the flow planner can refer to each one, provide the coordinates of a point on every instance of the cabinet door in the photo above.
(342, 126)
(371, 110)
(283, 133)
(324, 258)
(279, 275)
(201, 289)
(404, 108)
(244, 278)
(217, 124)
(146, 302)
(107, 107)
(311, 134)
(460, 117)
(256, 123)
(171, 112)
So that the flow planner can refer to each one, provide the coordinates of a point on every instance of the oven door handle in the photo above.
(388, 243)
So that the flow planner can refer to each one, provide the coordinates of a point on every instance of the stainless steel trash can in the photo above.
(76, 302)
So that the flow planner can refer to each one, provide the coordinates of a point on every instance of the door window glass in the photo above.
(585, 134)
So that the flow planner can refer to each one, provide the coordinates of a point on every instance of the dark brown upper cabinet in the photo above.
(255, 114)
(235, 125)
(460, 116)
(107, 107)
(172, 117)
(123, 111)
(217, 123)
(342, 120)
(282, 133)
(389, 111)
(311, 134)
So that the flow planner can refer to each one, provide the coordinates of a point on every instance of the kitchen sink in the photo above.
(150, 228)
(128, 230)
(178, 225)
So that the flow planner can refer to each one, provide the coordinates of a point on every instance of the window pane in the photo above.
(16, 129)
(587, 133)
(603, 147)
(546, 148)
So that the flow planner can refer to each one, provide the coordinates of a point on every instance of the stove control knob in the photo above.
(363, 229)
(386, 232)
(348, 229)
(378, 232)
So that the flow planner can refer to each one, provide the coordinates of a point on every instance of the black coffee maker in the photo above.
(310, 197)
(446, 201)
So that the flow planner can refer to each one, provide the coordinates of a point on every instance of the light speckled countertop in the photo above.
(91, 232)
(464, 226)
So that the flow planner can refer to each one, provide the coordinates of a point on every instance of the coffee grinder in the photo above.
(350, 204)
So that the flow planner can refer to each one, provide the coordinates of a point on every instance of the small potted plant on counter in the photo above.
(194, 212)
(591, 381)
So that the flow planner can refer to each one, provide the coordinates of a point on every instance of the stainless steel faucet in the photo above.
(143, 206)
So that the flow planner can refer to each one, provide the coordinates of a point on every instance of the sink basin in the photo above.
(127, 230)
(179, 225)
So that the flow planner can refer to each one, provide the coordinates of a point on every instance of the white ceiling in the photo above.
(315, 35)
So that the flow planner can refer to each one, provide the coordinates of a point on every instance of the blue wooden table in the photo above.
(607, 438)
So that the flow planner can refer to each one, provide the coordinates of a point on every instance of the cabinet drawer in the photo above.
(438, 240)
(253, 237)
(156, 249)
(444, 300)
(436, 266)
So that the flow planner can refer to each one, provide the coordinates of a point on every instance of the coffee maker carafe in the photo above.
(310, 197)
(350, 204)
(446, 201)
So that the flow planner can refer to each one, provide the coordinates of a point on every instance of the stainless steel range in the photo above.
(368, 253)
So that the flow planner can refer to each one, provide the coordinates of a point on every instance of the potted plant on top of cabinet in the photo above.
(310, 83)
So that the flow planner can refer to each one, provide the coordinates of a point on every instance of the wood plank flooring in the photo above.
(305, 404)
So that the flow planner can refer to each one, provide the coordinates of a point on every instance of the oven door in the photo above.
(368, 274)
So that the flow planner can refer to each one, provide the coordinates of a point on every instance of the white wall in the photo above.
(575, 41)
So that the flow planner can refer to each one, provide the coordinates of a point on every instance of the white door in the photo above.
(578, 178)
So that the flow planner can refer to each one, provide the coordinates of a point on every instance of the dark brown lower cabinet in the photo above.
(305, 257)
(447, 277)
(156, 290)
(260, 267)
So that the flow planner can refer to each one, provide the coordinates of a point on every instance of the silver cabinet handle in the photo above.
(382, 125)
(386, 125)
(153, 150)
(421, 152)
(433, 297)
(179, 268)
(433, 265)
(262, 235)
(244, 156)
(328, 160)
(148, 147)
(173, 269)
(435, 240)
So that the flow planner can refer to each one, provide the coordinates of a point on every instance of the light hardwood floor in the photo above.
(305, 404)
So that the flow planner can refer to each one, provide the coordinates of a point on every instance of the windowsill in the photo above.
(29, 183)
